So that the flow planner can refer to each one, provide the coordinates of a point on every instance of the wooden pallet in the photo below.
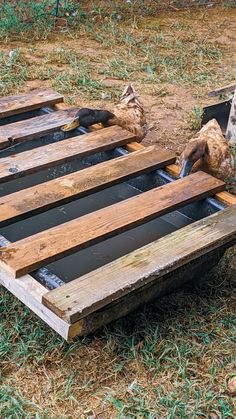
(114, 289)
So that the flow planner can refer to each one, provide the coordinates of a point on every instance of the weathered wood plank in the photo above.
(224, 197)
(84, 295)
(30, 293)
(32, 128)
(47, 195)
(28, 254)
(152, 291)
(53, 154)
(222, 90)
(37, 98)
(231, 126)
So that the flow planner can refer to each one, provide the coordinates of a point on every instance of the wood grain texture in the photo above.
(42, 197)
(35, 251)
(84, 295)
(52, 155)
(37, 98)
(32, 128)
(152, 291)
(224, 197)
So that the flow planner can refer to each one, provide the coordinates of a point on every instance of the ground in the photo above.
(172, 358)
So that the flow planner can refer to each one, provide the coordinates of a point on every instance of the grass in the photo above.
(170, 363)
(171, 358)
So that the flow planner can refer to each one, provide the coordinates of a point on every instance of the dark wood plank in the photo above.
(47, 195)
(84, 295)
(37, 98)
(35, 251)
(53, 154)
(32, 128)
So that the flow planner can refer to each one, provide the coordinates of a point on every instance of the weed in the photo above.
(194, 118)
(13, 71)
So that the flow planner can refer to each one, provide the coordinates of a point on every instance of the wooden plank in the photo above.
(224, 197)
(152, 291)
(231, 126)
(30, 293)
(64, 151)
(28, 254)
(84, 295)
(37, 98)
(64, 189)
(222, 90)
(32, 128)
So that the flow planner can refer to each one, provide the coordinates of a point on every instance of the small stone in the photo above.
(231, 385)
(213, 415)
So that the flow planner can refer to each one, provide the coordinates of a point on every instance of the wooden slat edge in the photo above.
(30, 253)
(224, 197)
(58, 98)
(40, 198)
(30, 292)
(90, 292)
(224, 89)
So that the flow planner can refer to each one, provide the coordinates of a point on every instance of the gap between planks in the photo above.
(224, 197)
(35, 251)
(54, 154)
(42, 197)
(36, 127)
(102, 286)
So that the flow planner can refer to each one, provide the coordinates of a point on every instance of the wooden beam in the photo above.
(221, 90)
(231, 126)
(51, 155)
(37, 98)
(30, 292)
(29, 254)
(151, 291)
(39, 198)
(89, 293)
(224, 197)
(32, 128)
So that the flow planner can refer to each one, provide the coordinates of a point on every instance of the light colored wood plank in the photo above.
(32, 128)
(221, 90)
(224, 197)
(231, 126)
(84, 295)
(47, 195)
(29, 254)
(64, 151)
(30, 292)
(152, 291)
(37, 98)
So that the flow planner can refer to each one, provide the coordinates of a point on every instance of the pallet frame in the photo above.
(29, 291)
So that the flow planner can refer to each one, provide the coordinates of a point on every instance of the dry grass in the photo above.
(170, 359)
